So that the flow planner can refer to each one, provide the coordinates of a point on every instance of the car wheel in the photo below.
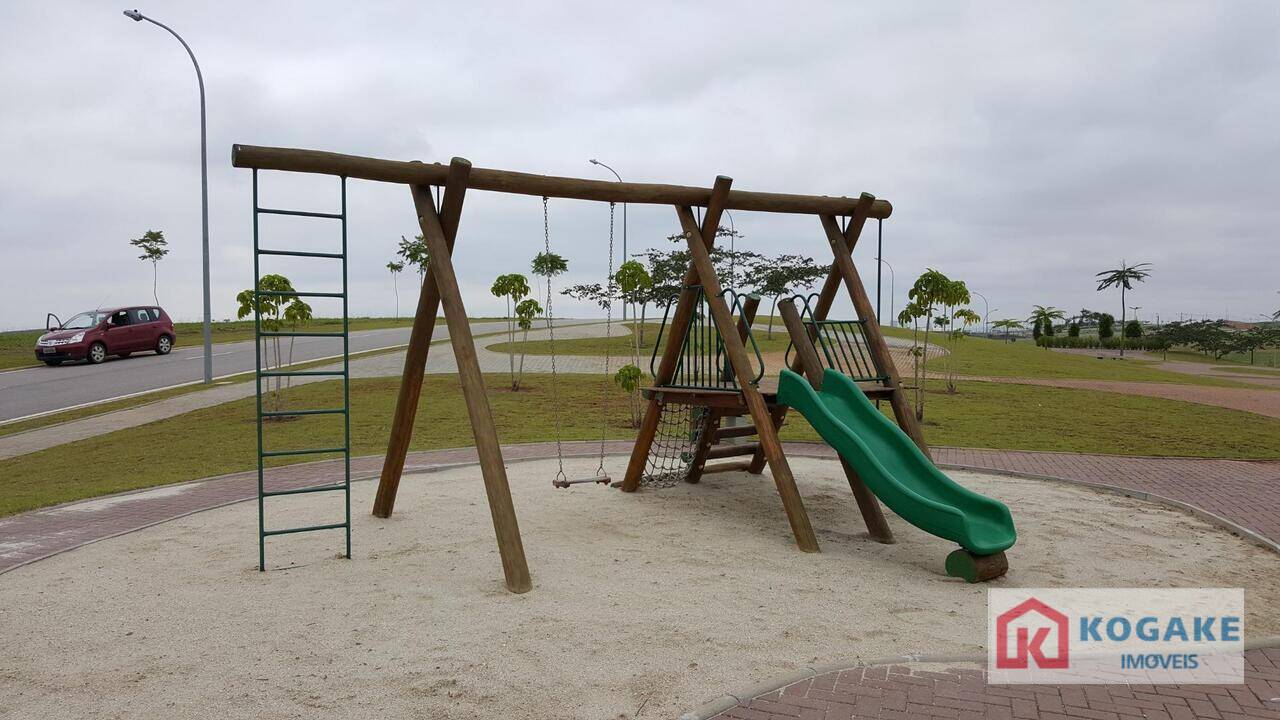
(97, 353)
(53, 363)
(164, 345)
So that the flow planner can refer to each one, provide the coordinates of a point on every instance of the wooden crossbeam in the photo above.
(700, 256)
(506, 181)
(415, 357)
(675, 339)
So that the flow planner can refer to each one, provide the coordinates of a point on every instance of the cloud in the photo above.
(1025, 146)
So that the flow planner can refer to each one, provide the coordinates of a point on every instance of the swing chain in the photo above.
(551, 341)
(608, 326)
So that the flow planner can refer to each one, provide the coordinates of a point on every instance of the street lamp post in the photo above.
(594, 161)
(892, 317)
(986, 313)
(204, 194)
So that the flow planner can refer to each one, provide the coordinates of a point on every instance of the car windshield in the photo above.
(84, 321)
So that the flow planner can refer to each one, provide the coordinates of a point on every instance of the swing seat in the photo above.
(603, 479)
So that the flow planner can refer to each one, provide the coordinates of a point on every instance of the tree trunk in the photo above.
(511, 350)
(524, 343)
(643, 307)
(154, 281)
(1122, 317)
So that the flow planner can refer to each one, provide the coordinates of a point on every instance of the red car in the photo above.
(96, 334)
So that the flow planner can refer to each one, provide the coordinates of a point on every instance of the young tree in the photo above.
(415, 254)
(933, 294)
(632, 282)
(1123, 277)
(273, 312)
(512, 287)
(964, 317)
(778, 276)
(1133, 329)
(154, 247)
(396, 268)
(1073, 330)
(526, 311)
(549, 265)
(1043, 318)
(1106, 325)
(1008, 325)
(628, 378)
(1037, 328)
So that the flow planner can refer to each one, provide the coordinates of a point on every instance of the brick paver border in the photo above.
(1241, 496)
(901, 689)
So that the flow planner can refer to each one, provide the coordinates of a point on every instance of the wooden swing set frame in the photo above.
(440, 288)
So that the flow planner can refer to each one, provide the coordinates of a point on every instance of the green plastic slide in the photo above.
(894, 468)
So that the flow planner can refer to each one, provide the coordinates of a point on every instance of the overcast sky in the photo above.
(1025, 146)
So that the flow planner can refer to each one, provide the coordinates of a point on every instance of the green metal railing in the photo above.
(344, 485)
(703, 362)
(841, 344)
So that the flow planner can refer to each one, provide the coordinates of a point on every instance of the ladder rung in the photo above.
(741, 465)
(735, 431)
(299, 253)
(300, 213)
(724, 451)
(307, 528)
(302, 491)
(308, 451)
(301, 373)
(291, 413)
(300, 333)
(295, 293)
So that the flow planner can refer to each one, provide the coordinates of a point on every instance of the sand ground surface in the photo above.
(644, 605)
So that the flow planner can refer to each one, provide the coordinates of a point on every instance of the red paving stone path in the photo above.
(911, 692)
(1242, 492)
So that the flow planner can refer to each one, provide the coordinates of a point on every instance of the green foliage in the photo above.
(152, 244)
(395, 267)
(1106, 325)
(632, 278)
(1151, 343)
(1008, 325)
(628, 377)
(1044, 317)
(1133, 329)
(512, 287)
(273, 309)
(937, 300)
(549, 265)
(526, 311)
(1073, 330)
(1037, 329)
(1122, 277)
(415, 253)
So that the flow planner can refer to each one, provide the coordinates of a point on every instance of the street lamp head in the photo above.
(594, 161)
(133, 15)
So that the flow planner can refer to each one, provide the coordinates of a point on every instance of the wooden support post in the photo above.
(868, 504)
(675, 339)
(875, 336)
(700, 256)
(415, 357)
(706, 435)
(510, 547)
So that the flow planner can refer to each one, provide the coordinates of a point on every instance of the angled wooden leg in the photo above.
(745, 374)
(415, 358)
(777, 415)
(498, 490)
(644, 441)
(807, 358)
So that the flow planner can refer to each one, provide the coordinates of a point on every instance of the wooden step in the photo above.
(724, 451)
(735, 431)
(739, 466)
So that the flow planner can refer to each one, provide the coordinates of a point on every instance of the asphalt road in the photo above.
(44, 389)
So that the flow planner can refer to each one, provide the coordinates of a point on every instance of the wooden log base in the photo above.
(735, 431)
(976, 568)
(602, 479)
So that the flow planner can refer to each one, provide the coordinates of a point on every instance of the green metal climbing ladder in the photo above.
(344, 485)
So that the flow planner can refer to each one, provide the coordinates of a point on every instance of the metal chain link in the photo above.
(551, 341)
(608, 325)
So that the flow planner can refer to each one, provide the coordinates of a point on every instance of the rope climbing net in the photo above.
(680, 427)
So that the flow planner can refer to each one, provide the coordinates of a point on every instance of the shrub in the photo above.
(1106, 325)
(1133, 329)
(1073, 330)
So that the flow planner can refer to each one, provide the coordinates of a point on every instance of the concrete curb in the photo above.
(714, 707)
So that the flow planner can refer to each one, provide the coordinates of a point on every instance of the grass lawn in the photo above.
(221, 439)
(1246, 370)
(16, 347)
(970, 356)
(1266, 358)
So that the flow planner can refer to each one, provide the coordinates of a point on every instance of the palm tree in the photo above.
(1123, 277)
(1008, 325)
(1045, 316)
